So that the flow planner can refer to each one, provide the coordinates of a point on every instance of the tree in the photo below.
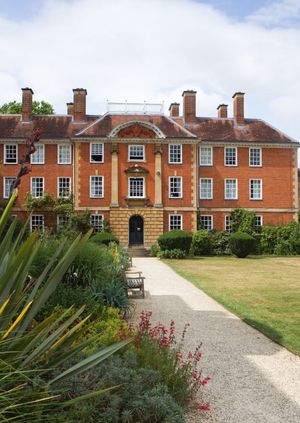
(243, 220)
(38, 108)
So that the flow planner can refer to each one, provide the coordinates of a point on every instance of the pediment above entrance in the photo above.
(136, 170)
(136, 129)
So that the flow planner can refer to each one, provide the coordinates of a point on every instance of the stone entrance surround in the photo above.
(153, 224)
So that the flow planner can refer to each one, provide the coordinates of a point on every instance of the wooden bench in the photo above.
(135, 282)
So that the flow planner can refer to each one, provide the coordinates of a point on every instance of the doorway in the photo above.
(136, 230)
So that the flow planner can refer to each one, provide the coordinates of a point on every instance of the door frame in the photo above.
(143, 220)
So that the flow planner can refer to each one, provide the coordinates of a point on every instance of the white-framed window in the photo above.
(8, 182)
(231, 189)
(64, 154)
(62, 221)
(228, 224)
(96, 153)
(63, 186)
(206, 222)
(37, 186)
(255, 157)
(206, 188)
(136, 153)
(10, 153)
(96, 187)
(97, 222)
(37, 222)
(255, 189)
(258, 221)
(175, 221)
(175, 153)
(206, 156)
(175, 187)
(38, 157)
(136, 187)
(230, 156)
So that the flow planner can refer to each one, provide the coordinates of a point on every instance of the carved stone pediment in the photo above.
(136, 170)
(136, 131)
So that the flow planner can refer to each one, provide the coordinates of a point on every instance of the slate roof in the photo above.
(205, 129)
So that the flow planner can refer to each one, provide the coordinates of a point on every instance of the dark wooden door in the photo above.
(136, 230)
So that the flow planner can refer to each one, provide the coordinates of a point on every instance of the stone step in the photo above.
(138, 251)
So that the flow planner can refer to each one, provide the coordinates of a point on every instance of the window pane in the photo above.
(255, 189)
(10, 153)
(64, 154)
(175, 221)
(96, 152)
(205, 189)
(175, 187)
(230, 156)
(136, 187)
(37, 222)
(96, 188)
(258, 221)
(255, 157)
(8, 184)
(38, 156)
(175, 153)
(62, 221)
(64, 187)
(228, 225)
(205, 156)
(37, 187)
(136, 152)
(206, 222)
(97, 222)
(230, 189)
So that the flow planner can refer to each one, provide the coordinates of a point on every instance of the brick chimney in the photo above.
(222, 111)
(26, 104)
(70, 109)
(174, 109)
(189, 105)
(238, 107)
(79, 104)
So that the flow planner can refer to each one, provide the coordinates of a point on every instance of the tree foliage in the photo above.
(38, 108)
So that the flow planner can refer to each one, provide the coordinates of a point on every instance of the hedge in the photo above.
(104, 238)
(175, 239)
(241, 244)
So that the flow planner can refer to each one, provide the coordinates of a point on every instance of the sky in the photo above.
(152, 50)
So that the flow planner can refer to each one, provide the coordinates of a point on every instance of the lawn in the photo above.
(263, 291)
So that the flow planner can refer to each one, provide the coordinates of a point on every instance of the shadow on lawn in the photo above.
(242, 362)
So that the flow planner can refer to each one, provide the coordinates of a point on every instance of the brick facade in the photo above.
(152, 134)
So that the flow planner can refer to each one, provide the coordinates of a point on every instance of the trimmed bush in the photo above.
(201, 243)
(172, 254)
(241, 244)
(175, 239)
(104, 238)
(220, 243)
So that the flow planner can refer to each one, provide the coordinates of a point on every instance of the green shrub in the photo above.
(243, 220)
(104, 238)
(201, 243)
(268, 239)
(280, 240)
(154, 250)
(172, 254)
(46, 250)
(241, 244)
(220, 243)
(175, 239)
(93, 263)
(113, 294)
(140, 397)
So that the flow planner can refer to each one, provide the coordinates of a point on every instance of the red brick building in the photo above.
(146, 172)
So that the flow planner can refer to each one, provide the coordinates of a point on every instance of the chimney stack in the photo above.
(189, 105)
(79, 104)
(26, 104)
(174, 109)
(222, 111)
(238, 107)
(70, 109)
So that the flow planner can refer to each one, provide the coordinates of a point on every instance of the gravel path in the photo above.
(254, 380)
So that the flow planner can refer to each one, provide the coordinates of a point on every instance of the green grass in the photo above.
(263, 291)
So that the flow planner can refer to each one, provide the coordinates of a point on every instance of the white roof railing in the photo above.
(135, 108)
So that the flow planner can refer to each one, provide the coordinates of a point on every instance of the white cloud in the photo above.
(151, 50)
(283, 13)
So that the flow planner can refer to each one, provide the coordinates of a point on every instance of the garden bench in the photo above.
(135, 282)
